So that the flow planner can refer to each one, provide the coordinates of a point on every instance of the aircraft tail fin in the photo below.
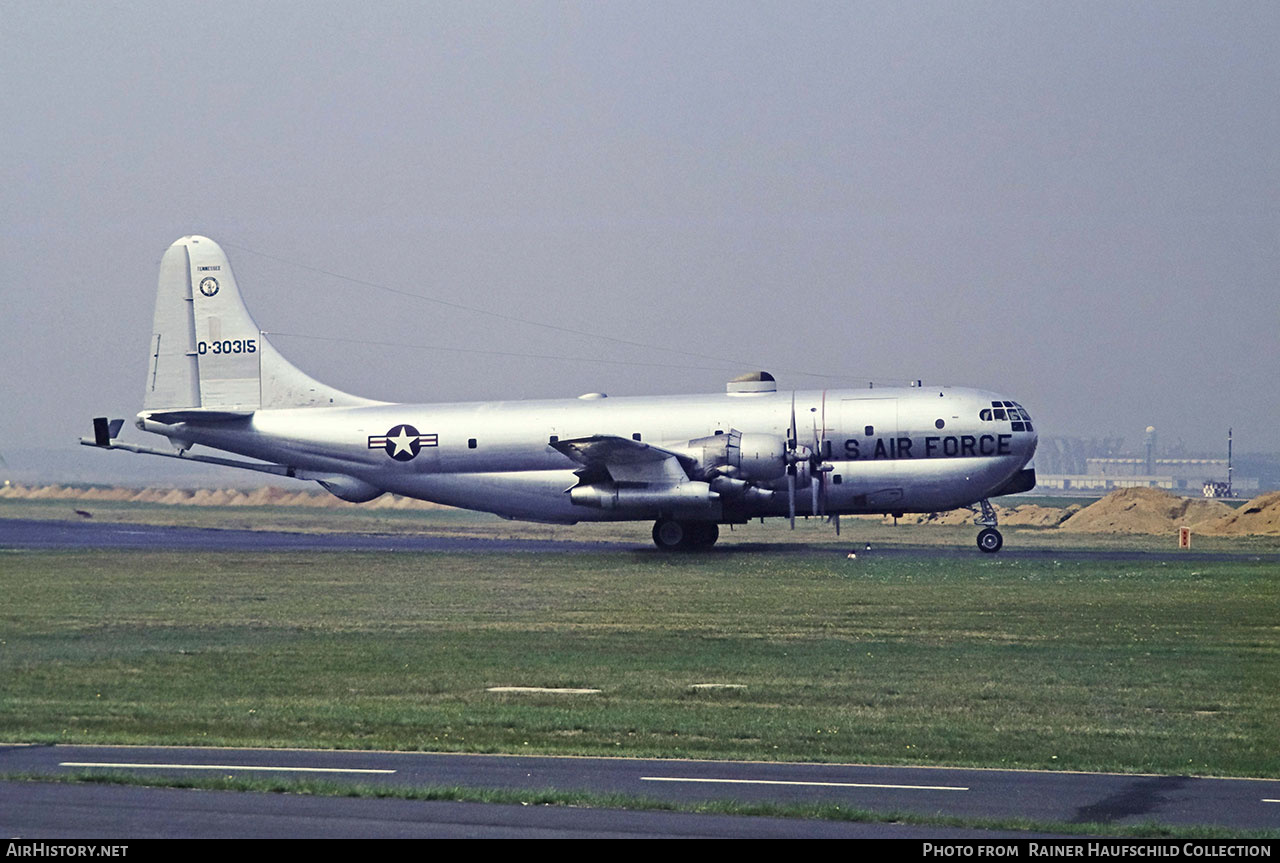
(206, 350)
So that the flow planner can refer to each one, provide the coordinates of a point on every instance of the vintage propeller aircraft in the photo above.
(690, 463)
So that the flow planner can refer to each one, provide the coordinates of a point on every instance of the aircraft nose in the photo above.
(1012, 417)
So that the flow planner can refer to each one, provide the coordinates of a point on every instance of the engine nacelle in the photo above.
(350, 489)
(741, 490)
(696, 496)
(753, 457)
(762, 456)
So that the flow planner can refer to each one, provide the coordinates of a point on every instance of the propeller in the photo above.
(824, 469)
(792, 456)
(795, 454)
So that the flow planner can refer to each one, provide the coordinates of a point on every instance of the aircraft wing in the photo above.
(625, 460)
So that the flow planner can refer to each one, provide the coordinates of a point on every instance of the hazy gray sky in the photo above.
(1076, 204)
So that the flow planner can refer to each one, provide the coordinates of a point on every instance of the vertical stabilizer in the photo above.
(207, 351)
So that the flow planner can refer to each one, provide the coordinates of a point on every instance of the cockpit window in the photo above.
(1011, 412)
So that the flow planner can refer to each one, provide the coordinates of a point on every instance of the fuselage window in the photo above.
(869, 431)
(985, 415)
(471, 443)
(1000, 413)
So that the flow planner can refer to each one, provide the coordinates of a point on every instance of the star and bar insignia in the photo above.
(402, 442)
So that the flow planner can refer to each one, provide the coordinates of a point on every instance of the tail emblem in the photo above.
(402, 442)
(208, 286)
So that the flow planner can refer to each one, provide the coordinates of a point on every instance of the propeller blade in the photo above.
(793, 435)
(816, 463)
(791, 494)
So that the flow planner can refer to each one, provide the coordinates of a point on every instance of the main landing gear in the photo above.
(672, 535)
(989, 539)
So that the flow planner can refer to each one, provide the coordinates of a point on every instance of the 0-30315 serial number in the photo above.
(228, 346)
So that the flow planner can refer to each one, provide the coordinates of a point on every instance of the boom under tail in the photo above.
(206, 351)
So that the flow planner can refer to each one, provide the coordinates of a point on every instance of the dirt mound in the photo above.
(264, 496)
(1259, 516)
(1032, 515)
(1144, 510)
(1027, 515)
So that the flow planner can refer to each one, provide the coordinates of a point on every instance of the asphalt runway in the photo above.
(49, 534)
(1073, 798)
(89, 534)
(105, 813)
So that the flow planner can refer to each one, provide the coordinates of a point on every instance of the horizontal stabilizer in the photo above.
(197, 416)
(185, 455)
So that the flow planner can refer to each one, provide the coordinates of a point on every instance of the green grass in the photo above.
(1162, 665)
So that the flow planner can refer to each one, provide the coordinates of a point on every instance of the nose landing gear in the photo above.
(989, 539)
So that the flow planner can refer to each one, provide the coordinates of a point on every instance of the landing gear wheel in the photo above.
(702, 534)
(672, 535)
(990, 540)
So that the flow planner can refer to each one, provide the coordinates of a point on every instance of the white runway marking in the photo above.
(218, 767)
(542, 689)
(792, 782)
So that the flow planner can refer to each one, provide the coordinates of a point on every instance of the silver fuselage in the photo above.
(889, 450)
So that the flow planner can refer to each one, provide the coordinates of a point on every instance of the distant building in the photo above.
(1199, 476)
(1101, 465)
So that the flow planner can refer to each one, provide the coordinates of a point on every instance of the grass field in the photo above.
(1167, 665)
